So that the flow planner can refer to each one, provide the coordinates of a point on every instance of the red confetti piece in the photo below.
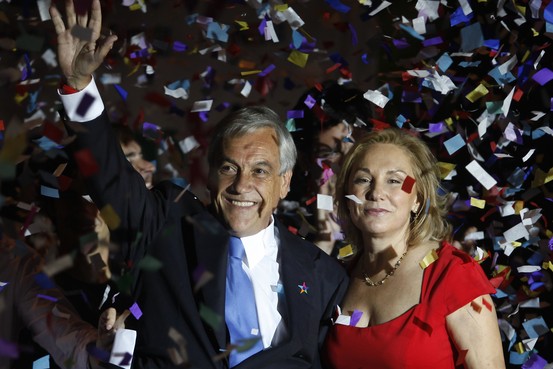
(423, 325)
(476, 307)
(53, 132)
(486, 304)
(408, 184)
(311, 200)
(86, 162)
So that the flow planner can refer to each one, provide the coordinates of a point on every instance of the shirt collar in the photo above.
(259, 244)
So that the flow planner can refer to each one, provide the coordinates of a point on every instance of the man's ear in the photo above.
(285, 185)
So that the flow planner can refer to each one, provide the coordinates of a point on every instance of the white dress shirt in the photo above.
(262, 268)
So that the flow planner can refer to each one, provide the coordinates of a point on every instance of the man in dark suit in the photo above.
(190, 319)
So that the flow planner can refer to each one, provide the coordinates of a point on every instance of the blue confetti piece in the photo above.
(338, 6)
(42, 363)
(121, 92)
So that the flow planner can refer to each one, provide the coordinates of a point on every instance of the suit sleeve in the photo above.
(133, 213)
(340, 282)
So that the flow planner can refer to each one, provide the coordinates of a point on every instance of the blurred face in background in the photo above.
(334, 142)
(133, 152)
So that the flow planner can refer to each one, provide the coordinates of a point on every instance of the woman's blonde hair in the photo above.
(429, 222)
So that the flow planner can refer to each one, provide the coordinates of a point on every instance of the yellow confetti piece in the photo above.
(547, 265)
(135, 6)
(281, 7)
(345, 251)
(134, 70)
(298, 58)
(516, 244)
(110, 217)
(13, 147)
(243, 25)
(518, 206)
(59, 170)
(250, 72)
(445, 169)
(449, 122)
(548, 233)
(535, 33)
(19, 98)
(477, 93)
(477, 203)
(519, 348)
(549, 176)
(521, 9)
(431, 257)
(539, 178)
(526, 55)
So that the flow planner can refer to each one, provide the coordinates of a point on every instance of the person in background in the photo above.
(266, 297)
(133, 152)
(29, 300)
(329, 118)
(413, 300)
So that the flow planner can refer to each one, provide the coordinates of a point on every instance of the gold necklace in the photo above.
(369, 281)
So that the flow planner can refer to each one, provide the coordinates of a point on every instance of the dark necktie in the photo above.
(240, 309)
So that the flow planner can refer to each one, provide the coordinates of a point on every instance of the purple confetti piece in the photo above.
(9, 349)
(198, 272)
(353, 34)
(534, 362)
(310, 101)
(355, 317)
(436, 127)
(135, 310)
(84, 104)
(46, 297)
(432, 41)
(126, 359)
(262, 27)
(294, 114)
(267, 70)
(179, 46)
(543, 76)
(204, 116)
(551, 244)
(401, 44)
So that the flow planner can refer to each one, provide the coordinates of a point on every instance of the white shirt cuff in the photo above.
(83, 106)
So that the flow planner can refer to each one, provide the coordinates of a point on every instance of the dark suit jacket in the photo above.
(177, 230)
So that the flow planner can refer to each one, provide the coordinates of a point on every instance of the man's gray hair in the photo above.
(247, 120)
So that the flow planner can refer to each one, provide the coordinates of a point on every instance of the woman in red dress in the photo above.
(414, 301)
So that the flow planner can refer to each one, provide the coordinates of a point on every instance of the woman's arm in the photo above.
(475, 331)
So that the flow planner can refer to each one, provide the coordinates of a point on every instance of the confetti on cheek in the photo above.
(408, 184)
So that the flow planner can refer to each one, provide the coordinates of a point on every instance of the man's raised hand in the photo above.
(80, 52)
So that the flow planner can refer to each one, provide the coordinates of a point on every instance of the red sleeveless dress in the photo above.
(418, 338)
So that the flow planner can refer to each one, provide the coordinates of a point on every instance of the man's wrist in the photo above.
(78, 84)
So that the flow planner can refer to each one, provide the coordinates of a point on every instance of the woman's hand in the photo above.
(79, 52)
